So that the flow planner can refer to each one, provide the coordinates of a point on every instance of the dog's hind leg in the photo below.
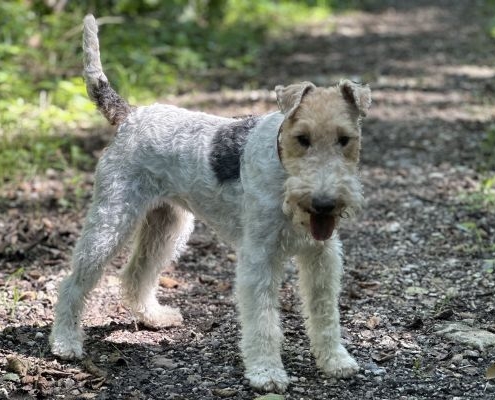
(162, 236)
(117, 207)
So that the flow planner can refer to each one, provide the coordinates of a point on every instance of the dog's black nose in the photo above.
(323, 205)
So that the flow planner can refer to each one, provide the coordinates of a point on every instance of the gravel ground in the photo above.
(417, 302)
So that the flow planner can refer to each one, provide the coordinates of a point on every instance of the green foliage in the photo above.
(11, 282)
(150, 48)
(489, 9)
(488, 150)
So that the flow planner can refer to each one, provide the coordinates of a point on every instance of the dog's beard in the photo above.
(297, 206)
(320, 226)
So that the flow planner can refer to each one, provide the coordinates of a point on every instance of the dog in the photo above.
(274, 186)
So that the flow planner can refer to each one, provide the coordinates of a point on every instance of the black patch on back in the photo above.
(227, 148)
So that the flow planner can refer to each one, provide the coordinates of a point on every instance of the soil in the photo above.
(419, 257)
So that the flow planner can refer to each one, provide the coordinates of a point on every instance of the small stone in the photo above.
(39, 335)
(4, 395)
(163, 362)
(224, 392)
(69, 383)
(194, 378)
(472, 353)
(465, 363)
(87, 396)
(392, 227)
(409, 267)
(11, 377)
(465, 334)
(457, 358)
(374, 369)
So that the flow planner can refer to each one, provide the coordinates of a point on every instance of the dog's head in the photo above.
(319, 145)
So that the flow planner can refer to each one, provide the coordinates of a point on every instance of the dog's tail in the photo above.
(111, 105)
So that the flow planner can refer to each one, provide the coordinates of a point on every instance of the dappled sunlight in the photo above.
(419, 260)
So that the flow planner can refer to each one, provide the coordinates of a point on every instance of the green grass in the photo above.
(150, 49)
(11, 281)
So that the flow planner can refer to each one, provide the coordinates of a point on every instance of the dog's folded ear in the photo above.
(289, 97)
(359, 96)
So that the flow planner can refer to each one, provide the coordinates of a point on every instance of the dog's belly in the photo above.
(221, 210)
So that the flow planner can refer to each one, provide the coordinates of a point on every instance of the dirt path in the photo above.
(418, 259)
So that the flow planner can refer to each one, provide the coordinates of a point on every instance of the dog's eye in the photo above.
(304, 140)
(344, 140)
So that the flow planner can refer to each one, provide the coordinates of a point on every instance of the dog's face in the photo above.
(319, 145)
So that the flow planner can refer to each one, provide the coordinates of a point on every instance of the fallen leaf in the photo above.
(369, 284)
(28, 379)
(90, 366)
(15, 364)
(97, 383)
(226, 392)
(168, 283)
(81, 376)
(55, 372)
(34, 274)
(29, 295)
(44, 386)
(382, 356)
(223, 286)
(47, 223)
(490, 372)
(373, 322)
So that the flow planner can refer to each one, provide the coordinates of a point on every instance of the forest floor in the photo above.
(417, 303)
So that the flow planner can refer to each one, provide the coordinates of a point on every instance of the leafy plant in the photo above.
(152, 48)
(16, 293)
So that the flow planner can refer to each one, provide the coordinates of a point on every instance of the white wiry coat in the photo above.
(156, 174)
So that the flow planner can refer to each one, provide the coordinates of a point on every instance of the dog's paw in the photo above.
(268, 379)
(67, 347)
(338, 364)
(160, 316)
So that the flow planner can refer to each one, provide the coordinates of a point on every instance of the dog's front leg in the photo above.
(258, 277)
(320, 273)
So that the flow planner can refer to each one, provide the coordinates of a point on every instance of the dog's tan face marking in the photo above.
(320, 142)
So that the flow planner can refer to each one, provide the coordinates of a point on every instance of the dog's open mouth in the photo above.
(322, 225)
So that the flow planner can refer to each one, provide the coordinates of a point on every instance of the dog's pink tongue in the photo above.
(322, 226)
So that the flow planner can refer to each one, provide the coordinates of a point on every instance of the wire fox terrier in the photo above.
(274, 186)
